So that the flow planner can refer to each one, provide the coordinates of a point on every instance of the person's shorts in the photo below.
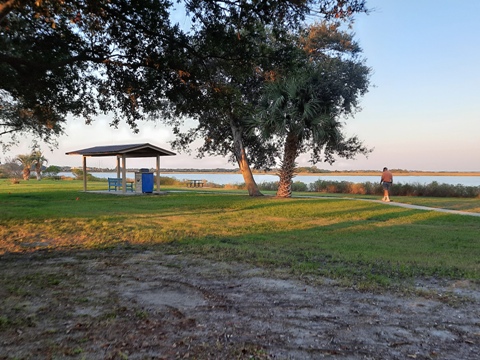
(386, 185)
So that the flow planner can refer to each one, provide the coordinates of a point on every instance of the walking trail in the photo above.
(419, 207)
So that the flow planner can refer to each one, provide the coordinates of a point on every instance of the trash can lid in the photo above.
(144, 170)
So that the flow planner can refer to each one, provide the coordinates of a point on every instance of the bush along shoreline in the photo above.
(433, 189)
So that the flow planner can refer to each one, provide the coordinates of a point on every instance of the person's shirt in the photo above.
(387, 176)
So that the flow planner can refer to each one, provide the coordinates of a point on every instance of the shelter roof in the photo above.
(129, 151)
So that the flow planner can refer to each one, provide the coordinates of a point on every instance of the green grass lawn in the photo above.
(351, 240)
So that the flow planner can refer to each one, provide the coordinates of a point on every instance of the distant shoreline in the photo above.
(410, 173)
(336, 173)
(330, 173)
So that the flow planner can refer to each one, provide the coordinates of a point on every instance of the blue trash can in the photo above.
(147, 182)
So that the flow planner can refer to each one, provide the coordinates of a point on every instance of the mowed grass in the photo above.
(355, 241)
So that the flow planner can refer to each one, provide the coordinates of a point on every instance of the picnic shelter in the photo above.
(122, 152)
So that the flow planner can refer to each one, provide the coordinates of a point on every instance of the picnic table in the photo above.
(195, 183)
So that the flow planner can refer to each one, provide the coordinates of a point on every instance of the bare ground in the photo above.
(130, 304)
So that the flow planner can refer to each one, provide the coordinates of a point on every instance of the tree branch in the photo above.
(7, 7)
(18, 63)
(9, 131)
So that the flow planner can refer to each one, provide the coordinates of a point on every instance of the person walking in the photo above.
(386, 181)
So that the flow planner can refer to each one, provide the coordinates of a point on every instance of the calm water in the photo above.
(223, 179)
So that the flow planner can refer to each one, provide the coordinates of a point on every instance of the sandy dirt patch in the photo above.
(128, 304)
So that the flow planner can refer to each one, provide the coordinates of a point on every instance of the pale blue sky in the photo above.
(423, 112)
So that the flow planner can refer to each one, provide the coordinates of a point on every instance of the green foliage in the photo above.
(311, 169)
(433, 189)
(78, 173)
(52, 170)
(165, 180)
(84, 58)
(27, 162)
(38, 161)
(61, 59)
(269, 185)
(300, 110)
(297, 186)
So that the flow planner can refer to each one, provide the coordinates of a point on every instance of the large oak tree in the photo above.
(82, 58)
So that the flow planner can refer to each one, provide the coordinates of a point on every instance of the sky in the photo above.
(422, 111)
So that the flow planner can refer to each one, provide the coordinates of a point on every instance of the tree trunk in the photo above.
(287, 170)
(38, 172)
(26, 173)
(242, 160)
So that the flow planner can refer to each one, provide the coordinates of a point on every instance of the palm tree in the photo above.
(300, 112)
(38, 160)
(26, 161)
(292, 113)
(300, 108)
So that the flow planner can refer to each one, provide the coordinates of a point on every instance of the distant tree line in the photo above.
(22, 166)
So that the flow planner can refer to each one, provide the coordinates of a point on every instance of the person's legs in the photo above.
(386, 188)
(386, 195)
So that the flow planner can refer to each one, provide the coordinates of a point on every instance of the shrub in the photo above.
(78, 173)
(52, 171)
(373, 188)
(90, 177)
(358, 189)
(433, 189)
(165, 180)
(273, 186)
(241, 186)
(268, 186)
(213, 185)
(317, 186)
(298, 186)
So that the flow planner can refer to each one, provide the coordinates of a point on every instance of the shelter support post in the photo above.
(158, 173)
(118, 166)
(124, 174)
(84, 173)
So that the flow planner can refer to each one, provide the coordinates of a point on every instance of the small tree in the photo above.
(78, 173)
(26, 161)
(52, 170)
(38, 161)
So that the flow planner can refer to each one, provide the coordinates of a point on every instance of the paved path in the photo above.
(393, 203)
(419, 207)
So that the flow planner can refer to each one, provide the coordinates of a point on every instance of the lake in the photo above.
(223, 179)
